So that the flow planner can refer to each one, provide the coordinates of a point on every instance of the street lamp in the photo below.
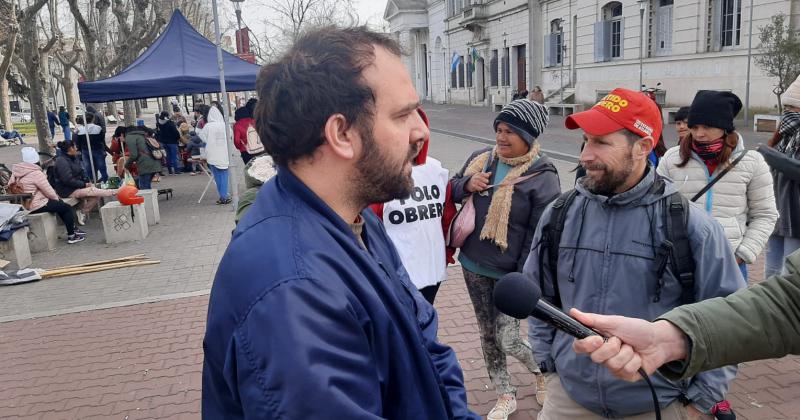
(749, 58)
(560, 23)
(237, 6)
(642, 6)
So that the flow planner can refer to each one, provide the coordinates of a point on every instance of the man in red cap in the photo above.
(624, 242)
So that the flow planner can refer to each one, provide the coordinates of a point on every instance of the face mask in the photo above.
(162, 121)
(708, 150)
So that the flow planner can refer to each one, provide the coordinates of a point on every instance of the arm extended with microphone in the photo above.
(518, 296)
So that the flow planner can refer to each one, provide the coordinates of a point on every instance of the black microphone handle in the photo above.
(553, 316)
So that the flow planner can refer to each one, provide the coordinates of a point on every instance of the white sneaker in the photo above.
(505, 405)
(81, 217)
(541, 389)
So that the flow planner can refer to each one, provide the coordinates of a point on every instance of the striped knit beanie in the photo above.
(792, 94)
(527, 118)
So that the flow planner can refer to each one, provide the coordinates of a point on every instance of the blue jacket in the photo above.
(606, 266)
(303, 323)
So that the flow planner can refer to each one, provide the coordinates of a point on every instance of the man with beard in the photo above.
(615, 256)
(312, 315)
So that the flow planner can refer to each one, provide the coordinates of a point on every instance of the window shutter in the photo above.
(554, 46)
(622, 38)
(548, 56)
(716, 25)
(600, 43)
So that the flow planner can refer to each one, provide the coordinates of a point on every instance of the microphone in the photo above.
(518, 296)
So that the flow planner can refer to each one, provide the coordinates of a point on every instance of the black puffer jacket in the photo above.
(168, 133)
(69, 175)
(527, 204)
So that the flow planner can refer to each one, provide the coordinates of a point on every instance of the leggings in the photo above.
(64, 212)
(499, 334)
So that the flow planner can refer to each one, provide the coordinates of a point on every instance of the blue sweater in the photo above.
(303, 323)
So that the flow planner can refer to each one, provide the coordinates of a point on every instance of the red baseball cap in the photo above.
(620, 109)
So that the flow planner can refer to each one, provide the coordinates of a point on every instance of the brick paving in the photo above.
(144, 361)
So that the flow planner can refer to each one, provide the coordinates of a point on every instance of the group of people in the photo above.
(66, 178)
(327, 286)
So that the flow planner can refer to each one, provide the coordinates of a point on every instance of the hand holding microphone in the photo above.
(647, 345)
(636, 348)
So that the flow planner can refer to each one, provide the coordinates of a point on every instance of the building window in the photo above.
(506, 68)
(660, 39)
(730, 30)
(143, 103)
(461, 71)
(608, 33)
(554, 44)
(455, 7)
(493, 72)
(453, 77)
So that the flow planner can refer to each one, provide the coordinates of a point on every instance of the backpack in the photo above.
(254, 145)
(156, 151)
(676, 249)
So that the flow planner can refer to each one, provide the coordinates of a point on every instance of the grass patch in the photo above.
(27, 129)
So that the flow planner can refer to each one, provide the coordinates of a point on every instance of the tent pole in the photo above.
(233, 175)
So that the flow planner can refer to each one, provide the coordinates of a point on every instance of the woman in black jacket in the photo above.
(510, 184)
(169, 136)
(71, 181)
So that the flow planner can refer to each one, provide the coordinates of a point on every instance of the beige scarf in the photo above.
(496, 225)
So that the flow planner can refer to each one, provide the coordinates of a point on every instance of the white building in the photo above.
(587, 46)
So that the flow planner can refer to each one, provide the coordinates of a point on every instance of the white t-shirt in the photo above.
(415, 225)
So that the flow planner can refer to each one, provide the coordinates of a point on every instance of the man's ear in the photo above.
(643, 147)
(340, 136)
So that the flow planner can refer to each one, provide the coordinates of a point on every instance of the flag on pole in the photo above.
(454, 63)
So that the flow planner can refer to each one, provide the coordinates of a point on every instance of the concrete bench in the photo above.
(150, 206)
(43, 235)
(16, 249)
(563, 109)
(123, 223)
(765, 122)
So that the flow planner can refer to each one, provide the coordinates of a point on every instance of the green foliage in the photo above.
(780, 48)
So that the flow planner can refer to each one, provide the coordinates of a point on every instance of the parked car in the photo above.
(20, 117)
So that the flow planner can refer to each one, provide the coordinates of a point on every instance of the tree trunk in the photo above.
(137, 109)
(111, 109)
(5, 106)
(130, 108)
(30, 56)
(165, 105)
(69, 91)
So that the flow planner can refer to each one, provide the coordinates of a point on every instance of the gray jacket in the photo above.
(527, 204)
(606, 266)
(786, 174)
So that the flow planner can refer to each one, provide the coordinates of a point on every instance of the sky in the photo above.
(253, 12)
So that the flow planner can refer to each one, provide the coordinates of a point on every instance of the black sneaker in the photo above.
(74, 239)
(723, 411)
(79, 232)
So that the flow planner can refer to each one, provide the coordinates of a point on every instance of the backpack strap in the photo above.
(551, 239)
(676, 215)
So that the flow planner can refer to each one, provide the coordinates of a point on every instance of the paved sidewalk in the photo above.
(145, 361)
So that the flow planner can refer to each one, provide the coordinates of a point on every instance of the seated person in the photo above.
(193, 149)
(33, 181)
(71, 181)
(11, 135)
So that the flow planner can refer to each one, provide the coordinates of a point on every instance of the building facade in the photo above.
(482, 51)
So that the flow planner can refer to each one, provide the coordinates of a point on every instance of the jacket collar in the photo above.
(293, 185)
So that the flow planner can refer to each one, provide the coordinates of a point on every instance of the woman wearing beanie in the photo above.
(45, 200)
(742, 201)
(510, 184)
(783, 156)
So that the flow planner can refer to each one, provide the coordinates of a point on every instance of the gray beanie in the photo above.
(527, 118)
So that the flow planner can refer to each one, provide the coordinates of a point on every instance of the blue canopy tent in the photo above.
(180, 61)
